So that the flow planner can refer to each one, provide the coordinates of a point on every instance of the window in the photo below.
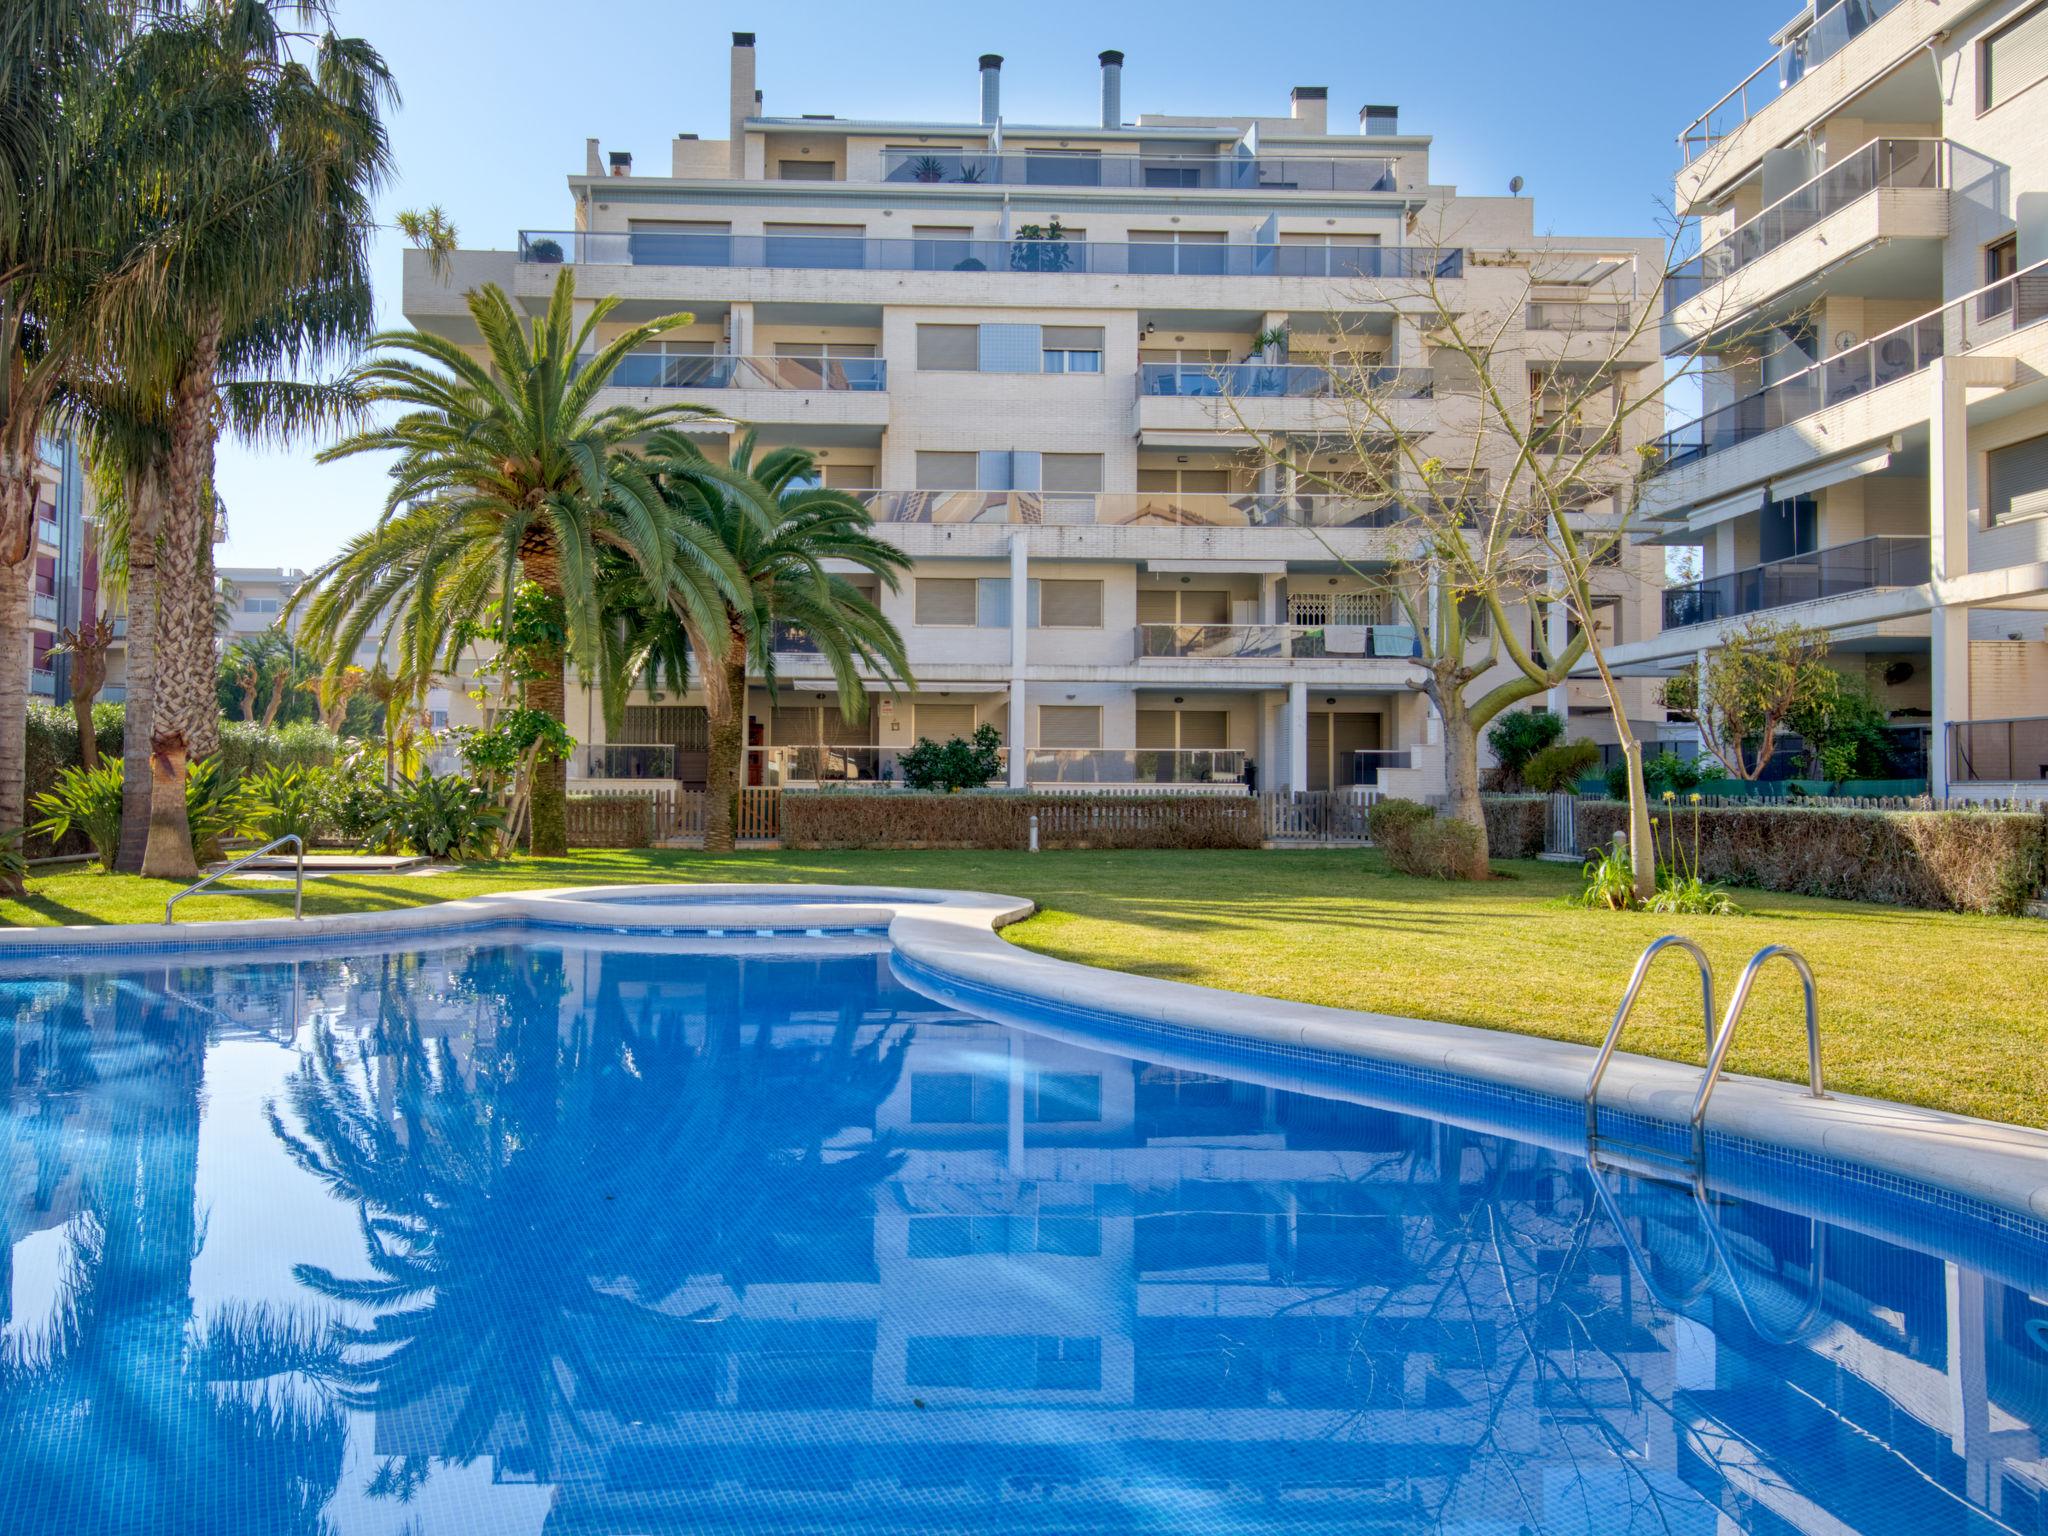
(1179, 250)
(1183, 605)
(1069, 604)
(2016, 481)
(1186, 730)
(958, 1098)
(682, 242)
(1069, 725)
(946, 471)
(2001, 261)
(1478, 618)
(1072, 348)
(2012, 58)
(1070, 473)
(946, 601)
(815, 245)
(1057, 1098)
(942, 722)
(1002, 1363)
(948, 349)
(806, 170)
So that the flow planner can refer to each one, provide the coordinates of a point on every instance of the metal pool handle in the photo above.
(1628, 1002)
(1734, 1017)
(298, 884)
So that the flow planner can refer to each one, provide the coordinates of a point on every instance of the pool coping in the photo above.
(953, 936)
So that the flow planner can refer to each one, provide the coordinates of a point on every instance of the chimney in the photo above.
(622, 162)
(1379, 120)
(1112, 88)
(593, 159)
(1312, 108)
(991, 87)
(746, 101)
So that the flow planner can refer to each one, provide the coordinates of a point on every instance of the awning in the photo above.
(1218, 567)
(1195, 440)
(1849, 466)
(1706, 516)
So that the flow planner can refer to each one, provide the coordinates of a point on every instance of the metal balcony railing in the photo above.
(1880, 164)
(1998, 751)
(856, 253)
(1149, 509)
(1839, 23)
(1243, 173)
(1281, 380)
(1368, 763)
(1885, 561)
(1133, 765)
(669, 370)
(1989, 314)
(1276, 642)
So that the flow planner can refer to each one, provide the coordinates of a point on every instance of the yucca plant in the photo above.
(217, 807)
(88, 801)
(444, 816)
(285, 802)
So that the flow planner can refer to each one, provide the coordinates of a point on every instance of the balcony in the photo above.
(623, 760)
(1880, 165)
(1988, 315)
(1832, 572)
(1038, 256)
(42, 681)
(1275, 381)
(1166, 767)
(1839, 23)
(1574, 318)
(1132, 509)
(43, 605)
(1232, 173)
(1368, 763)
(47, 531)
(660, 370)
(1276, 642)
(1998, 751)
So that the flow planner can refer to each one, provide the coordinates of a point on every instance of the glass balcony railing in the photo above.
(1991, 313)
(665, 370)
(1133, 765)
(1276, 642)
(1245, 173)
(1557, 315)
(858, 763)
(1281, 380)
(623, 760)
(43, 605)
(1368, 763)
(1839, 23)
(1999, 751)
(855, 253)
(1841, 568)
(1881, 163)
(1149, 509)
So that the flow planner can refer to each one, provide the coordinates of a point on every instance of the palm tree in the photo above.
(508, 470)
(86, 645)
(778, 527)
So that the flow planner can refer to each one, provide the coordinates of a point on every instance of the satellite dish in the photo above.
(1515, 185)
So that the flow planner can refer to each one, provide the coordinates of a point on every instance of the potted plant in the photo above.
(927, 168)
(1040, 248)
(545, 250)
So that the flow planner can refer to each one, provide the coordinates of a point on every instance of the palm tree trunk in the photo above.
(187, 712)
(17, 543)
(725, 708)
(138, 714)
(88, 745)
(546, 690)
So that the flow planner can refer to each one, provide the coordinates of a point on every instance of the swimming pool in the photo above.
(567, 1232)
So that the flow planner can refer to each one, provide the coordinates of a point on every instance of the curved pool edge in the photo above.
(953, 938)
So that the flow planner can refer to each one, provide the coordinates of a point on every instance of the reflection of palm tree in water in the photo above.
(121, 1414)
(528, 1232)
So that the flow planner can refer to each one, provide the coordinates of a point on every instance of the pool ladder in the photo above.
(298, 875)
(1717, 1043)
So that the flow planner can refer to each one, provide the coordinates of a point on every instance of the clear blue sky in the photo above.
(1582, 100)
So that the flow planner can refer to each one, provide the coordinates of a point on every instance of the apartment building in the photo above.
(1049, 357)
(65, 586)
(1872, 458)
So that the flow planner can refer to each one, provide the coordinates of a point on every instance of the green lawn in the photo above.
(1926, 1007)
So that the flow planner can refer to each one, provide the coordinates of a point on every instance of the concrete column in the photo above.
(1020, 620)
(1556, 636)
(741, 327)
(1269, 600)
(1948, 557)
(1297, 736)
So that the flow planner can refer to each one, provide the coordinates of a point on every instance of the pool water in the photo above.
(583, 1237)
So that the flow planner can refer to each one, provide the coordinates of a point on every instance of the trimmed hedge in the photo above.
(1515, 825)
(1960, 861)
(906, 819)
(611, 821)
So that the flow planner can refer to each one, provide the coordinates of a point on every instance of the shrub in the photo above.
(955, 765)
(1390, 817)
(1963, 861)
(1516, 825)
(443, 816)
(287, 802)
(86, 802)
(906, 819)
(1417, 841)
(1560, 766)
(1517, 737)
(1610, 881)
(217, 807)
(247, 747)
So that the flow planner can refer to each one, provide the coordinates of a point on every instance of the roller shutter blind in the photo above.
(1207, 729)
(945, 471)
(1069, 604)
(1069, 725)
(942, 722)
(2014, 57)
(944, 600)
(1155, 729)
(1071, 472)
(2017, 480)
(948, 348)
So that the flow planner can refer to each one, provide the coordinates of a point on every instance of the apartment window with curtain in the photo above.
(2012, 59)
(1071, 348)
(945, 248)
(2001, 261)
(1003, 347)
(2016, 481)
(1074, 727)
(1179, 250)
(805, 170)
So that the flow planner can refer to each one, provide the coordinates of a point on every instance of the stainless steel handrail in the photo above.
(1734, 1017)
(1628, 1002)
(298, 884)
